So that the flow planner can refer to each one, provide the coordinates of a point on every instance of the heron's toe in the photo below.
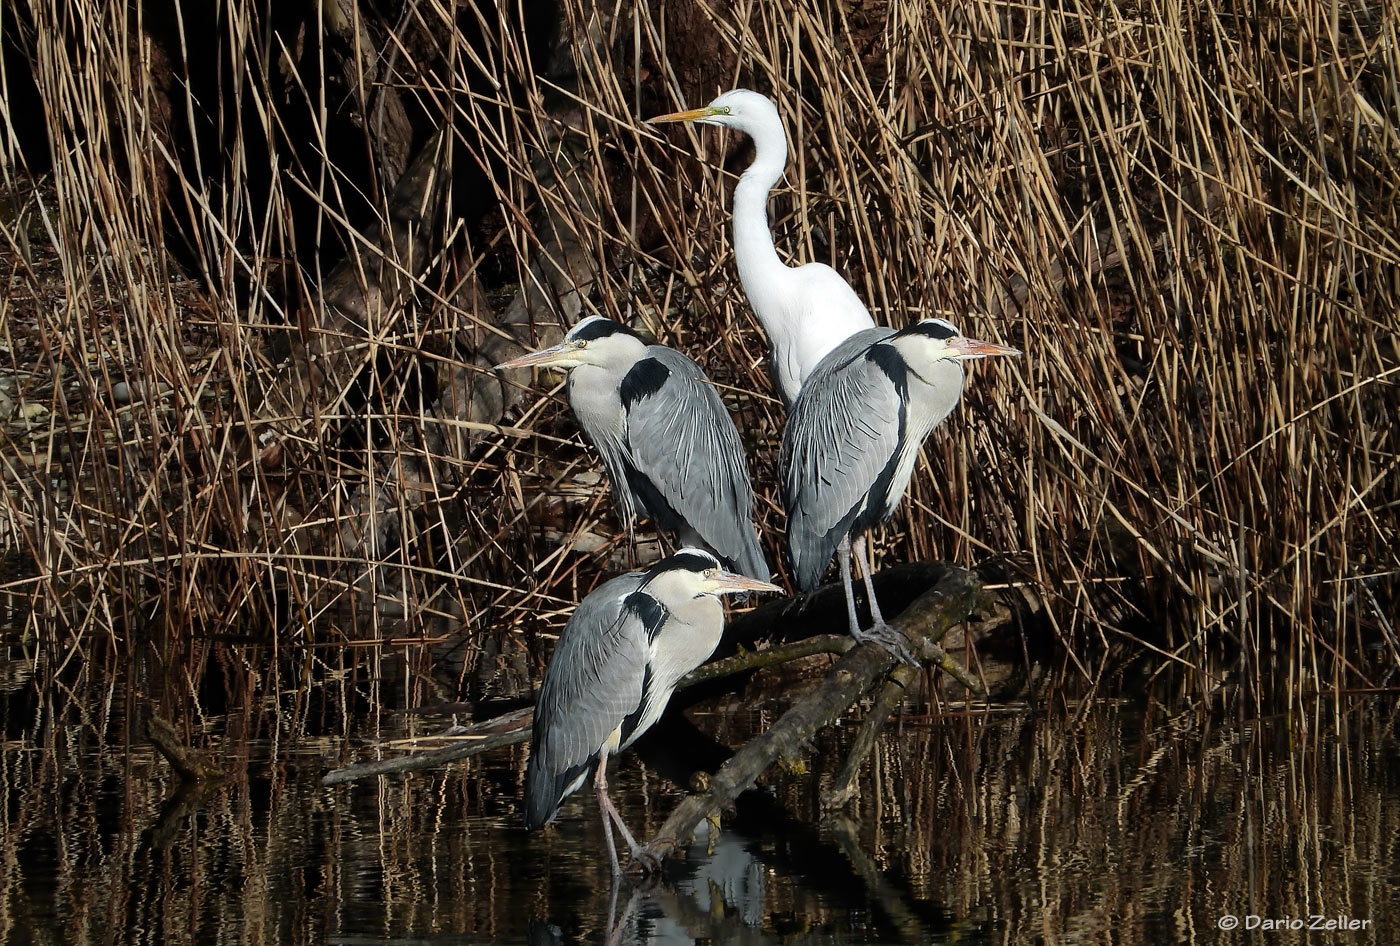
(644, 864)
(891, 638)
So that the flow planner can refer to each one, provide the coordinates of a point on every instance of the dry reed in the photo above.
(1185, 216)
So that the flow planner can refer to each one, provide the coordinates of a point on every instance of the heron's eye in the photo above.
(711, 573)
(722, 110)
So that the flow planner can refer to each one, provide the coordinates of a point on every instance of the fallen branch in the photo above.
(843, 789)
(949, 603)
(191, 764)
(749, 660)
(514, 727)
(506, 730)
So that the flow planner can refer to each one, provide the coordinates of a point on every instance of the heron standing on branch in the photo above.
(617, 662)
(805, 310)
(669, 446)
(851, 442)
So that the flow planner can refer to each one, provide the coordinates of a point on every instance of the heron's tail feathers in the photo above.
(808, 554)
(750, 561)
(546, 790)
(541, 800)
(807, 570)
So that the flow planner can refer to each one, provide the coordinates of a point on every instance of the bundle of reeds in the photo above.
(248, 376)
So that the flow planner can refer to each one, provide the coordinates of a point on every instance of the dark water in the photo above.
(1096, 822)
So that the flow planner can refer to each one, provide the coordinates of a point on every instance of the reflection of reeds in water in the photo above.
(1023, 828)
(1145, 830)
(1184, 223)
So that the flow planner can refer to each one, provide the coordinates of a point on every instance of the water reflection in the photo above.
(1116, 822)
(717, 893)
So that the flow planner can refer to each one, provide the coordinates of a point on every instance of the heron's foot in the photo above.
(894, 640)
(646, 861)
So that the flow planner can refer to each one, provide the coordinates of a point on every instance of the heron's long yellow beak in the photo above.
(976, 348)
(550, 357)
(689, 115)
(726, 581)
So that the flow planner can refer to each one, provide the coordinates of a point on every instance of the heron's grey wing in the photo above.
(688, 459)
(841, 440)
(593, 684)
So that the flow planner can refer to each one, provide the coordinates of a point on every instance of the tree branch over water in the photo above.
(953, 596)
(927, 620)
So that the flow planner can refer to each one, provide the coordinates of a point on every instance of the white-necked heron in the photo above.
(805, 310)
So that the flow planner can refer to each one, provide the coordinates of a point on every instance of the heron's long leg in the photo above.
(886, 635)
(600, 783)
(859, 547)
(615, 934)
(843, 555)
(611, 816)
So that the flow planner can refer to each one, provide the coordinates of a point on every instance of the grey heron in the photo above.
(805, 310)
(618, 659)
(669, 446)
(851, 442)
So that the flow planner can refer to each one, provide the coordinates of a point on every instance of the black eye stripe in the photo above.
(932, 328)
(697, 562)
(600, 327)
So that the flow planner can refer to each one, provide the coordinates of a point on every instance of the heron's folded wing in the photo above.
(841, 439)
(593, 683)
(682, 440)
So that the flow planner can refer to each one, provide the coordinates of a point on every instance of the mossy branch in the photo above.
(191, 764)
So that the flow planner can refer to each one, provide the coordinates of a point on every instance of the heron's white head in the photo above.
(940, 340)
(739, 109)
(691, 573)
(596, 340)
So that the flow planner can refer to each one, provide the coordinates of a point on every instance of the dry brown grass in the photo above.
(1185, 216)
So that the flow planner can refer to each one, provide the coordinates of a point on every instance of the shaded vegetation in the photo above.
(257, 269)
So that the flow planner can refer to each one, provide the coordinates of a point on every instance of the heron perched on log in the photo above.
(851, 442)
(619, 658)
(669, 446)
(805, 310)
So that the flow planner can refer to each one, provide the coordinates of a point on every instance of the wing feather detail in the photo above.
(845, 431)
(593, 683)
(688, 465)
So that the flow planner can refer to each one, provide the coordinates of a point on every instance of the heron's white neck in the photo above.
(761, 272)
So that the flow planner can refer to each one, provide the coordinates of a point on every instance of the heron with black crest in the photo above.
(617, 662)
(669, 446)
(851, 443)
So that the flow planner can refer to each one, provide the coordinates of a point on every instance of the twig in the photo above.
(506, 730)
(769, 657)
(932, 653)
(191, 764)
